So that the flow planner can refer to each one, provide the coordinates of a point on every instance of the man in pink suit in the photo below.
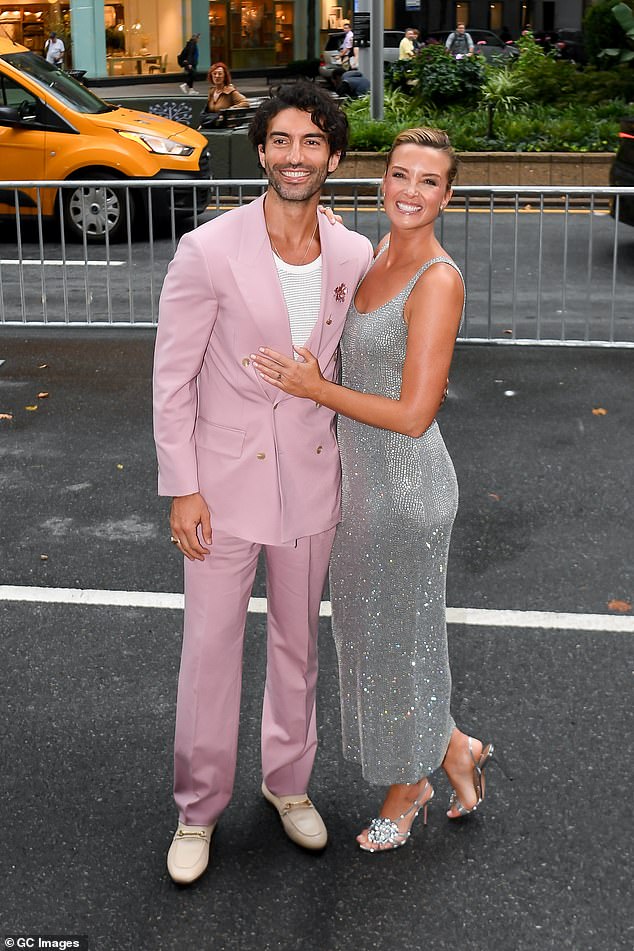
(250, 467)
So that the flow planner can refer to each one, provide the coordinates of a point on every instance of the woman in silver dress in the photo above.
(399, 499)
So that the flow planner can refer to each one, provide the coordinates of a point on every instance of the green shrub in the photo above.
(535, 104)
(531, 128)
(595, 86)
(435, 76)
(541, 76)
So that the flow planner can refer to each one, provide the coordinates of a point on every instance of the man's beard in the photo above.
(289, 192)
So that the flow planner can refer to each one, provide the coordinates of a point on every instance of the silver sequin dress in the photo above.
(387, 576)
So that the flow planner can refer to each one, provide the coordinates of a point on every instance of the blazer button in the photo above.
(329, 321)
(246, 362)
(261, 455)
(318, 449)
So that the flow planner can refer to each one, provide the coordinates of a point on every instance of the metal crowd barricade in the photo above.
(542, 265)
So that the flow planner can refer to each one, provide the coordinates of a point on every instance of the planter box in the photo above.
(504, 168)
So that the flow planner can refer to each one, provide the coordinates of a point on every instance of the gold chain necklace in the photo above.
(305, 255)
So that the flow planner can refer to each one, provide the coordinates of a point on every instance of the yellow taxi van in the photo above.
(53, 128)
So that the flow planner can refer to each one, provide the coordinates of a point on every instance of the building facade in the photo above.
(145, 36)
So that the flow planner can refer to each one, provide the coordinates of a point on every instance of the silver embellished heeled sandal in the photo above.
(384, 833)
(486, 756)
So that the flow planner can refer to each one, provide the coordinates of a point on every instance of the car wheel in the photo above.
(97, 212)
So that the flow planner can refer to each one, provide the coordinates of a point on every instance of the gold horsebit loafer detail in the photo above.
(188, 855)
(300, 819)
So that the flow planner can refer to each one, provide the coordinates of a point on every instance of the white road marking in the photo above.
(476, 617)
(51, 262)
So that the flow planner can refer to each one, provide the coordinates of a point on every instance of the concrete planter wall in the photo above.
(504, 168)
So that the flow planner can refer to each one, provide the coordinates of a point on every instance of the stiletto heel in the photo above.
(500, 762)
(479, 784)
(386, 834)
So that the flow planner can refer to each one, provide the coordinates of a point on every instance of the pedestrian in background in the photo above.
(54, 50)
(346, 49)
(400, 495)
(459, 43)
(252, 469)
(406, 46)
(188, 59)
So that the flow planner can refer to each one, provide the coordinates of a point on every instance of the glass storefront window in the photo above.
(496, 14)
(284, 32)
(218, 35)
(252, 33)
(462, 13)
(30, 23)
(145, 36)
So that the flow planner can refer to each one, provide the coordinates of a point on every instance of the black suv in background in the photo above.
(567, 44)
(487, 43)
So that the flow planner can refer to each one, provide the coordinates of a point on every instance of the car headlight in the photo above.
(155, 143)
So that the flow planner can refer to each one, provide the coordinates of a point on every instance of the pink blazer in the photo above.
(266, 463)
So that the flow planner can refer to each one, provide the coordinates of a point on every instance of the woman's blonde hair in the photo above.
(431, 139)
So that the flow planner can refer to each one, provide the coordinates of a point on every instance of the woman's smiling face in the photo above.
(415, 185)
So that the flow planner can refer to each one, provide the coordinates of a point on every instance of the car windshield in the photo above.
(66, 88)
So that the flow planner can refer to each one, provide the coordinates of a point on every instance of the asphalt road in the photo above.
(530, 276)
(87, 692)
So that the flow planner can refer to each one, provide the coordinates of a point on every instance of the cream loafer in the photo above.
(188, 854)
(302, 823)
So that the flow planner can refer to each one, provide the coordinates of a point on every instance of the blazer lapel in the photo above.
(258, 282)
(259, 286)
(335, 293)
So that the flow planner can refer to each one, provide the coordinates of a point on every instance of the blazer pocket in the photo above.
(222, 439)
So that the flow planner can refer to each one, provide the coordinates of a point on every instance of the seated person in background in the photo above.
(351, 82)
(222, 93)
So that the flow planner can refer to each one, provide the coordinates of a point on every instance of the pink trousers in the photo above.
(217, 592)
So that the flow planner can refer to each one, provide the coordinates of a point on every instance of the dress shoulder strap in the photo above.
(409, 287)
(441, 258)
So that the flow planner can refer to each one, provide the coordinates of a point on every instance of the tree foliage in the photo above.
(625, 18)
(601, 30)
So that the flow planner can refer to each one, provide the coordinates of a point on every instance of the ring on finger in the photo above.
(174, 541)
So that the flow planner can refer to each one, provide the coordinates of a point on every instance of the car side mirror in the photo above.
(20, 115)
(9, 115)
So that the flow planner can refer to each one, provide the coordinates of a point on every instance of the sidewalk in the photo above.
(250, 86)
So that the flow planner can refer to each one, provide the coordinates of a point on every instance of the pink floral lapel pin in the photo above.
(340, 292)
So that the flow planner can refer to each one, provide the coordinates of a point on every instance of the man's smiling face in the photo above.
(296, 155)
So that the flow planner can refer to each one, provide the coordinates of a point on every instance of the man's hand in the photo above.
(186, 514)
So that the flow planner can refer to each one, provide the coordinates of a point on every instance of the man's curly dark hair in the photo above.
(308, 97)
